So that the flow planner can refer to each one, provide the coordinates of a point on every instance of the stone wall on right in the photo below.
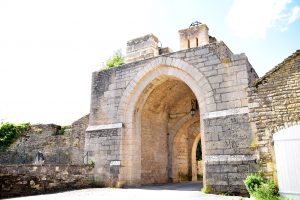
(274, 103)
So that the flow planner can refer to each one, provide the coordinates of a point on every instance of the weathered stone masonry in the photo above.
(217, 78)
(43, 138)
(274, 101)
(22, 180)
(63, 168)
(67, 148)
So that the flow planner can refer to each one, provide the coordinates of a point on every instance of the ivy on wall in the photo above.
(9, 133)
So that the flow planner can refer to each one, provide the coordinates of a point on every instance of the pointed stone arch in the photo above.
(137, 91)
(166, 66)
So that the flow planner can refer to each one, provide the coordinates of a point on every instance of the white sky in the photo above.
(49, 49)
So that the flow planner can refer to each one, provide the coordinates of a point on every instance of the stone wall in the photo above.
(67, 148)
(182, 152)
(227, 75)
(200, 167)
(39, 137)
(274, 102)
(228, 157)
(218, 79)
(103, 147)
(22, 180)
(77, 140)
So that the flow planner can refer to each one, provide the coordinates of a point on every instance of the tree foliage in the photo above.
(116, 60)
(9, 133)
(199, 151)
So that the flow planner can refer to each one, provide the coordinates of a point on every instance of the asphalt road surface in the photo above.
(182, 191)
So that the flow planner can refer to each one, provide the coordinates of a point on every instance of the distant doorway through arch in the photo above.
(167, 121)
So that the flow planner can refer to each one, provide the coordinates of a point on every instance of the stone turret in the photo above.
(142, 48)
(194, 36)
(145, 47)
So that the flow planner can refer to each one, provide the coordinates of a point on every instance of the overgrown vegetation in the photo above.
(116, 60)
(262, 189)
(9, 133)
(91, 163)
(206, 189)
(61, 130)
(252, 182)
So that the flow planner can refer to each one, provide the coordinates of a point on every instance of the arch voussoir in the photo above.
(185, 72)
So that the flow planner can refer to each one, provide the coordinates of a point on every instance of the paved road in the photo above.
(185, 191)
(188, 186)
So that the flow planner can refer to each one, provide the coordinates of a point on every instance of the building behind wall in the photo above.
(274, 104)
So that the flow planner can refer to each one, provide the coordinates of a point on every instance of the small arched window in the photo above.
(188, 43)
(197, 42)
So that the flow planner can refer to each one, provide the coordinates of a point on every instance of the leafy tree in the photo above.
(199, 151)
(116, 60)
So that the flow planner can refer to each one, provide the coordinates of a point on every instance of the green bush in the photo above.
(266, 191)
(261, 189)
(252, 182)
(9, 133)
(116, 60)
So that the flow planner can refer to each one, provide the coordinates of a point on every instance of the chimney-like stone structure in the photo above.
(194, 36)
(142, 48)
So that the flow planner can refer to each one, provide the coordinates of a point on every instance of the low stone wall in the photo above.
(22, 180)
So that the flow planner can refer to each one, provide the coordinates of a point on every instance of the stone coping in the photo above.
(223, 113)
(104, 126)
(230, 158)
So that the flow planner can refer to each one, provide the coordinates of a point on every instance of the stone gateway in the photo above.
(148, 115)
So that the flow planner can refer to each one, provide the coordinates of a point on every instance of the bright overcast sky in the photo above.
(49, 49)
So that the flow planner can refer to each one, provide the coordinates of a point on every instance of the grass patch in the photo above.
(206, 189)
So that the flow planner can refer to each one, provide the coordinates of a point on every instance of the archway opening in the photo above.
(167, 119)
